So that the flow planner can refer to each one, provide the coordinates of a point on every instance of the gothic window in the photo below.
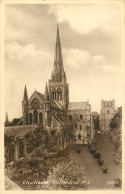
(61, 95)
(80, 127)
(40, 117)
(107, 111)
(35, 103)
(30, 118)
(21, 149)
(53, 94)
(71, 127)
(75, 125)
(70, 117)
(79, 136)
(35, 116)
(10, 153)
(81, 117)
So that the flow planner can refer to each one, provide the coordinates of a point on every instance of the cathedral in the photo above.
(53, 109)
(70, 121)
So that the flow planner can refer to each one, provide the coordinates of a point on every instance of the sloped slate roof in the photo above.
(42, 96)
(19, 130)
(53, 103)
(77, 105)
(62, 119)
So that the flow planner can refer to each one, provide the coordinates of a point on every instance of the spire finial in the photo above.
(6, 120)
(25, 98)
(58, 61)
(46, 92)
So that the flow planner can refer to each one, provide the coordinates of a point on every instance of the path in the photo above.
(93, 172)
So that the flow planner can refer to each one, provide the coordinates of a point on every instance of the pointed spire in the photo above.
(6, 119)
(25, 98)
(46, 92)
(58, 61)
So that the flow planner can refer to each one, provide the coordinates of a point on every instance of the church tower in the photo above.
(25, 107)
(58, 88)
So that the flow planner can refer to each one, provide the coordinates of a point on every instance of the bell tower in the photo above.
(58, 88)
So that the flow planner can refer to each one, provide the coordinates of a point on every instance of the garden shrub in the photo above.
(100, 162)
(92, 151)
(96, 155)
(105, 170)
(118, 182)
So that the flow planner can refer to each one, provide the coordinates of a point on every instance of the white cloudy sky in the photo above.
(91, 47)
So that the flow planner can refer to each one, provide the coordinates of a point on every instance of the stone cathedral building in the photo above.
(53, 108)
(70, 120)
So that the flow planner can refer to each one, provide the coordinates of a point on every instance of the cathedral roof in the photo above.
(62, 119)
(53, 102)
(19, 131)
(77, 105)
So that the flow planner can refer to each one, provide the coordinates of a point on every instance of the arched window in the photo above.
(75, 125)
(53, 94)
(79, 136)
(21, 149)
(81, 117)
(80, 127)
(30, 118)
(40, 118)
(70, 117)
(59, 94)
(108, 111)
(35, 116)
(71, 127)
(11, 151)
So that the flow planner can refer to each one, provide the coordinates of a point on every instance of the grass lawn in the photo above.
(93, 172)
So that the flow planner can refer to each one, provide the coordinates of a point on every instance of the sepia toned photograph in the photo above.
(63, 101)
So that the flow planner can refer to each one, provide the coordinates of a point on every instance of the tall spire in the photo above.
(46, 92)
(25, 98)
(58, 61)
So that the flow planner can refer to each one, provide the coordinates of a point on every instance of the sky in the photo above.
(91, 47)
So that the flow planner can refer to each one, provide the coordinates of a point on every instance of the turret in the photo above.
(25, 107)
(47, 107)
(47, 102)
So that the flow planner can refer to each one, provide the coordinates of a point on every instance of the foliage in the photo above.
(15, 122)
(36, 138)
(78, 151)
(96, 122)
(100, 162)
(96, 155)
(68, 175)
(115, 136)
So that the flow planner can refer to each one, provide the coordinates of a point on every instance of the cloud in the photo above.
(83, 60)
(88, 17)
(14, 50)
(91, 47)
(76, 58)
